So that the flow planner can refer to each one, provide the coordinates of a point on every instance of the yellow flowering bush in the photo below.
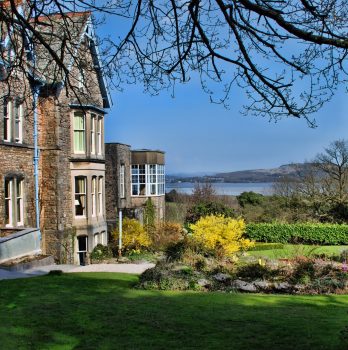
(134, 235)
(222, 235)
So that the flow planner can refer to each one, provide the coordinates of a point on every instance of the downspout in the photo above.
(120, 233)
(35, 90)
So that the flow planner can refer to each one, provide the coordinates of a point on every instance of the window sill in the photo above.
(146, 195)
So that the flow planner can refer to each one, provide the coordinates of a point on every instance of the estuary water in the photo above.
(224, 188)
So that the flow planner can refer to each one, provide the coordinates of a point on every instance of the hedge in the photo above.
(323, 234)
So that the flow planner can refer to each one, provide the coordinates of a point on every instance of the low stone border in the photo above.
(48, 260)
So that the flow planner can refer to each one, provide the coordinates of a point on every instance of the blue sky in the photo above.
(198, 136)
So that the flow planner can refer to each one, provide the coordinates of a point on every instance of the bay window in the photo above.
(148, 180)
(80, 196)
(79, 133)
(88, 134)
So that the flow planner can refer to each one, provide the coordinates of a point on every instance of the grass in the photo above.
(103, 311)
(289, 251)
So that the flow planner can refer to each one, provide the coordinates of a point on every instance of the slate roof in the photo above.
(63, 35)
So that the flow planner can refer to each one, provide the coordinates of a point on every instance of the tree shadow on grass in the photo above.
(103, 311)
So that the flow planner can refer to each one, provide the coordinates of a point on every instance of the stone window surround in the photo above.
(99, 238)
(93, 149)
(99, 210)
(13, 117)
(16, 200)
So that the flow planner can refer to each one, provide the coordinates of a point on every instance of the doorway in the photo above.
(82, 244)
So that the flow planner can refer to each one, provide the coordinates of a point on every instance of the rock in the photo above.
(299, 287)
(222, 277)
(263, 285)
(203, 282)
(282, 286)
(244, 286)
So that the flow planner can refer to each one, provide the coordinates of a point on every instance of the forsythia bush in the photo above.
(134, 235)
(220, 234)
(330, 234)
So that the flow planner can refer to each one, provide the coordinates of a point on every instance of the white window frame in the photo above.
(99, 135)
(79, 131)
(19, 203)
(81, 80)
(100, 195)
(9, 201)
(94, 195)
(15, 202)
(84, 194)
(93, 133)
(102, 237)
(154, 180)
(122, 181)
(96, 239)
(18, 119)
(8, 120)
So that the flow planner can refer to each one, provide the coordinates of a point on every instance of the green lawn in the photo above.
(293, 250)
(102, 311)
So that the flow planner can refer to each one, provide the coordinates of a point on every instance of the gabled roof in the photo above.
(64, 34)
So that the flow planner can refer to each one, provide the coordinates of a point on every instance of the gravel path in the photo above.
(43, 270)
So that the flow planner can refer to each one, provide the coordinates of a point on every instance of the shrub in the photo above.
(322, 234)
(175, 251)
(166, 277)
(220, 235)
(250, 198)
(207, 208)
(255, 271)
(304, 272)
(101, 252)
(134, 235)
(166, 233)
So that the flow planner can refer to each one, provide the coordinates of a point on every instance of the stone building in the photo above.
(132, 177)
(60, 125)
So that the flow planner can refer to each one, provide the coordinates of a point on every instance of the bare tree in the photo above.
(321, 186)
(288, 55)
(333, 163)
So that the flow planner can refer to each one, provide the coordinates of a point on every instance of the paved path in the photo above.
(43, 270)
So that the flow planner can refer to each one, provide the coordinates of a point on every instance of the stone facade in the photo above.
(59, 163)
(116, 155)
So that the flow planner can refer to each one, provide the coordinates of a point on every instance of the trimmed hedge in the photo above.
(323, 234)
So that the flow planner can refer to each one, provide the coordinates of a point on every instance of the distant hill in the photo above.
(245, 176)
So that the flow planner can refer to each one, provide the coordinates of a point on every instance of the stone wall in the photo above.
(115, 155)
(55, 143)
